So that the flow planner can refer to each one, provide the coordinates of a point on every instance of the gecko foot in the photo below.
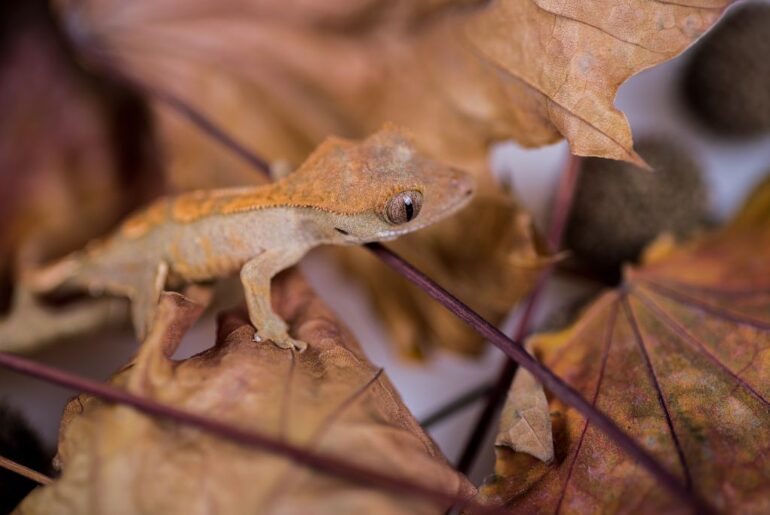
(283, 341)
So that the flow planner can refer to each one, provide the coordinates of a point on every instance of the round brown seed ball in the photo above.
(727, 80)
(620, 208)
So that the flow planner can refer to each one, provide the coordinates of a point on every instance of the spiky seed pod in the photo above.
(619, 208)
(727, 80)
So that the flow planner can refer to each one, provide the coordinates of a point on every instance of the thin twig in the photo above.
(456, 404)
(559, 218)
(565, 195)
(211, 129)
(27, 472)
(318, 461)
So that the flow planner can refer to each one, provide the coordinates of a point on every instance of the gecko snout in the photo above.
(463, 182)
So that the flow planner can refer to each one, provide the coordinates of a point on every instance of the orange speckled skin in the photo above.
(338, 196)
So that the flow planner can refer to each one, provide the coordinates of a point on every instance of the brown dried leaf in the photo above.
(330, 399)
(525, 422)
(61, 182)
(679, 357)
(288, 74)
(573, 56)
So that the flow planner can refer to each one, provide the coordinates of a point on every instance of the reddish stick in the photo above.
(27, 472)
(559, 217)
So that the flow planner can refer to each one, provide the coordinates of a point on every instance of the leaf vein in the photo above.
(605, 356)
(656, 384)
(688, 336)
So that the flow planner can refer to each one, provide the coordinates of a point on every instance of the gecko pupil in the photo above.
(409, 207)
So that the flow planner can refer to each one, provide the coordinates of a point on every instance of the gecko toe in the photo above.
(290, 343)
(283, 341)
(299, 345)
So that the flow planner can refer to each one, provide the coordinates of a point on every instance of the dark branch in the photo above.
(212, 129)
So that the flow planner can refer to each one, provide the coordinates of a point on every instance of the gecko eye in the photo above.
(403, 207)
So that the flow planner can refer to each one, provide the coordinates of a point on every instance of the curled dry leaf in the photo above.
(329, 399)
(679, 356)
(525, 422)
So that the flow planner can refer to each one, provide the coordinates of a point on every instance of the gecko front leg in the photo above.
(255, 277)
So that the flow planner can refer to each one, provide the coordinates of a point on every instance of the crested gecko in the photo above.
(345, 193)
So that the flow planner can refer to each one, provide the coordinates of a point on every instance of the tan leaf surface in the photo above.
(573, 57)
(678, 356)
(330, 399)
(287, 74)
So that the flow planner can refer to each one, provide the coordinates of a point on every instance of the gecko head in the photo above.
(380, 188)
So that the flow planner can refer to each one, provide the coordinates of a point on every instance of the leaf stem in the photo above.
(211, 129)
(559, 218)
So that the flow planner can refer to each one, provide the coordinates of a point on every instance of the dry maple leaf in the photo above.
(329, 399)
(678, 356)
(283, 75)
(573, 57)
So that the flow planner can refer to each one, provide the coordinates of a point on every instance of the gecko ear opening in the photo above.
(403, 207)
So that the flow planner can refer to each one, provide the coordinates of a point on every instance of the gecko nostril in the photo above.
(341, 231)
